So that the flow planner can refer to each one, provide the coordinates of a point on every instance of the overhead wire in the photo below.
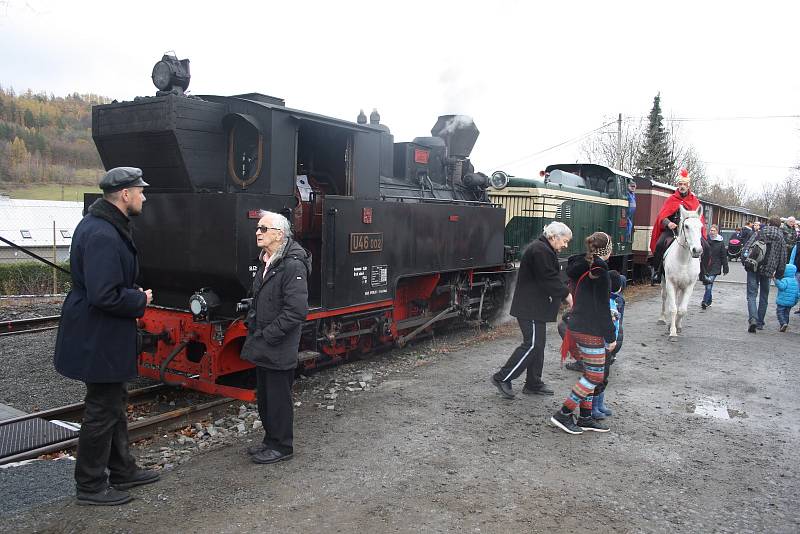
(568, 141)
(672, 119)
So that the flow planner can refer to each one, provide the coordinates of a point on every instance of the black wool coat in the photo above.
(278, 311)
(717, 257)
(96, 340)
(539, 288)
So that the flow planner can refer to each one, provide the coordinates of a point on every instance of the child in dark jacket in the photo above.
(591, 330)
(617, 307)
(788, 293)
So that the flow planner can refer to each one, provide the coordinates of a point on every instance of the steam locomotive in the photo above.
(402, 235)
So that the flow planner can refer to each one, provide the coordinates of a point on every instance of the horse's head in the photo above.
(692, 230)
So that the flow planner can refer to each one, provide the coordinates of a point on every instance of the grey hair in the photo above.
(280, 222)
(557, 229)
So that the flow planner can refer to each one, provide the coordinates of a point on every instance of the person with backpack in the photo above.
(764, 257)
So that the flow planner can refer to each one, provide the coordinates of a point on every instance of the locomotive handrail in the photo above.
(441, 200)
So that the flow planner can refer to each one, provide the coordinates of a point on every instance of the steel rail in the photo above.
(137, 430)
(74, 411)
(25, 326)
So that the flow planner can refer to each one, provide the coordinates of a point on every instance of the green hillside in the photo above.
(46, 143)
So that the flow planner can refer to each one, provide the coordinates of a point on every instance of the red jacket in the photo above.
(674, 201)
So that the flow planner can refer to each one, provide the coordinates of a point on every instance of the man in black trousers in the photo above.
(274, 325)
(96, 340)
(537, 297)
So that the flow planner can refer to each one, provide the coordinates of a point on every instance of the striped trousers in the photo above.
(592, 352)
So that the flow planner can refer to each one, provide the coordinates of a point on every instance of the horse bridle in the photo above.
(681, 225)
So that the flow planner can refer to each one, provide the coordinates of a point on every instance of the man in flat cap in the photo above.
(96, 340)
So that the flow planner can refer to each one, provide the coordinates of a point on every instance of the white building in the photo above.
(30, 224)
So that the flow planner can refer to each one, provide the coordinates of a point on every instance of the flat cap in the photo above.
(121, 177)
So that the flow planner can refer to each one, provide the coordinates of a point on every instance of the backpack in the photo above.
(755, 256)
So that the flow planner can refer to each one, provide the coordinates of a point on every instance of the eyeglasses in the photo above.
(265, 229)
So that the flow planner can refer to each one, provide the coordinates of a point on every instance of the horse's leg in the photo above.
(673, 310)
(663, 318)
(683, 304)
(680, 309)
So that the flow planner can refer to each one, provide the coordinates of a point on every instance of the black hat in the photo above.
(616, 281)
(121, 178)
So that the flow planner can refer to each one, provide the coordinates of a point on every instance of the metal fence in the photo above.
(35, 239)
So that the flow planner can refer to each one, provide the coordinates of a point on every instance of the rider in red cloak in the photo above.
(667, 221)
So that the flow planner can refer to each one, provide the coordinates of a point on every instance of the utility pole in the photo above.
(619, 142)
(55, 260)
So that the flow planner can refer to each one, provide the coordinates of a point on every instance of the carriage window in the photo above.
(245, 153)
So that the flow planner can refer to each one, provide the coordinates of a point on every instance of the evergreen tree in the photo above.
(656, 152)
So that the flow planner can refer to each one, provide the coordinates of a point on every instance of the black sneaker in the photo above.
(703, 305)
(565, 422)
(784, 327)
(503, 387)
(592, 424)
(270, 456)
(541, 389)
(752, 328)
(138, 478)
(106, 497)
(575, 366)
(255, 449)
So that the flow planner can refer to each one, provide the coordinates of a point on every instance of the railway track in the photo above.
(32, 435)
(27, 326)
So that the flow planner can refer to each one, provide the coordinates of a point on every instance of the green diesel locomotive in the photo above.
(584, 196)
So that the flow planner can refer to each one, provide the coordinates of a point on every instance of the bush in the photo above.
(32, 278)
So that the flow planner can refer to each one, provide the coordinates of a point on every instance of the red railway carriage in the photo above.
(650, 197)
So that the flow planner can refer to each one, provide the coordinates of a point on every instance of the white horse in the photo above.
(681, 269)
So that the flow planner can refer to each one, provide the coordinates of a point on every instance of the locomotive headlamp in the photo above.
(171, 75)
(203, 304)
(499, 179)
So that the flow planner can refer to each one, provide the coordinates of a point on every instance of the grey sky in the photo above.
(530, 75)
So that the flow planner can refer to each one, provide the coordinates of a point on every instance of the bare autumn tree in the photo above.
(766, 199)
(727, 192)
(686, 157)
(603, 147)
(782, 198)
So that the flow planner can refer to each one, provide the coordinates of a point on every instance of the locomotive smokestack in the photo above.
(458, 132)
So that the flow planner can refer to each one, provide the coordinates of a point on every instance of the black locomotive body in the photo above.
(402, 235)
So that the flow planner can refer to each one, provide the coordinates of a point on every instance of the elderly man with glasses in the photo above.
(274, 325)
